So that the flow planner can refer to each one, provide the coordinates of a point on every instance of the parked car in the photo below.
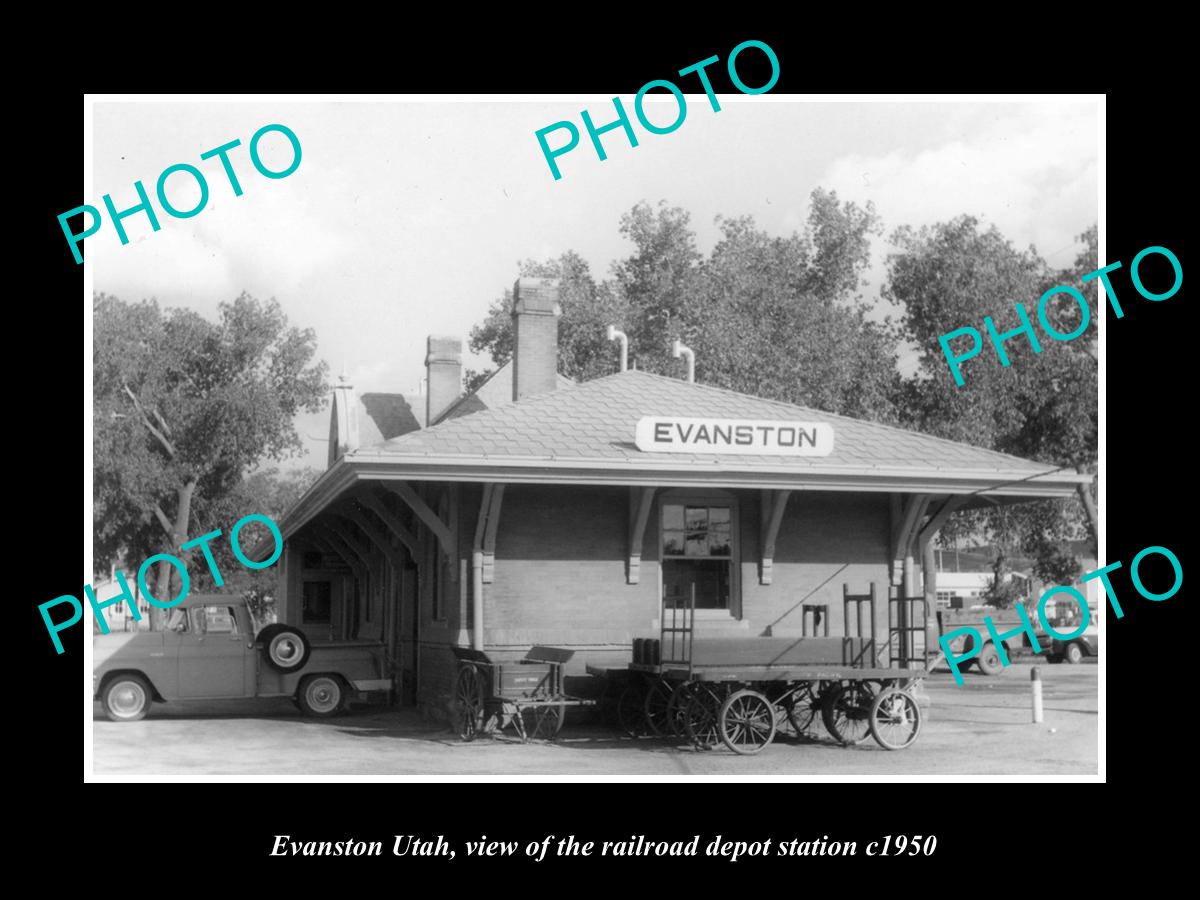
(209, 651)
(1074, 651)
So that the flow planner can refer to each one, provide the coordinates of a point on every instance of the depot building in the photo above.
(537, 510)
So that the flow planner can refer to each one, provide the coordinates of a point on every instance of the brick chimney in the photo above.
(535, 315)
(443, 368)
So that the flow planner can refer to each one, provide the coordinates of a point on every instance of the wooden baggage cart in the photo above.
(739, 691)
(527, 693)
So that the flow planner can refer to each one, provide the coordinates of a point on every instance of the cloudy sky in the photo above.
(408, 218)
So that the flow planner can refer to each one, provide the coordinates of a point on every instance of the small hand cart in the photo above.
(527, 694)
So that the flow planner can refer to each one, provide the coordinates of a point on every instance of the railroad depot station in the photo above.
(539, 511)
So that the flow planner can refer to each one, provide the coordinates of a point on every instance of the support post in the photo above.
(485, 504)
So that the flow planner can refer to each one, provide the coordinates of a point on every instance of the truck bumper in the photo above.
(372, 684)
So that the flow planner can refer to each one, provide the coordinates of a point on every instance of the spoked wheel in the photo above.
(468, 694)
(801, 707)
(747, 722)
(677, 708)
(544, 721)
(655, 706)
(701, 714)
(895, 719)
(846, 712)
(630, 714)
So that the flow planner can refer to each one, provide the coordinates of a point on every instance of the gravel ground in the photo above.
(981, 728)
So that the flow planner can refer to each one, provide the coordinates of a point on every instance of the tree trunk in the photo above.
(166, 578)
(998, 572)
(1089, 507)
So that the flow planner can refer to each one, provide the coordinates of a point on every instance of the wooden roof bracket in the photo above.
(344, 552)
(640, 502)
(936, 521)
(431, 520)
(376, 536)
(489, 534)
(348, 548)
(772, 506)
(392, 521)
(907, 512)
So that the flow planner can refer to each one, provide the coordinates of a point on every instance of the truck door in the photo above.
(216, 659)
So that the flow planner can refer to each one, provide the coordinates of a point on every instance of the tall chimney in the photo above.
(443, 368)
(535, 315)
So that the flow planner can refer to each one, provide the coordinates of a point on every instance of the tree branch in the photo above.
(163, 520)
(162, 438)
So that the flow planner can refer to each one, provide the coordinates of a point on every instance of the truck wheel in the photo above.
(989, 660)
(286, 648)
(321, 696)
(127, 698)
(1073, 654)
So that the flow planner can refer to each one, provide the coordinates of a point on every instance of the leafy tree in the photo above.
(772, 316)
(588, 308)
(1003, 594)
(1042, 406)
(184, 409)
(272, 493)
(779, 316)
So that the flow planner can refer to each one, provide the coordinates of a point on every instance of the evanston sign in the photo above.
(759, 437)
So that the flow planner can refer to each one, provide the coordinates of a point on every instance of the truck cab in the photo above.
(208, 649)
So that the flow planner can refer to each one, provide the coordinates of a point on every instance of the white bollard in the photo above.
(1036, 677)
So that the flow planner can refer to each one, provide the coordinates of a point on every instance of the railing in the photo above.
(678, 650)
(862, 659)
(907, 617)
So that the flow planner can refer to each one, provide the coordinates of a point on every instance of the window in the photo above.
(317, 604)
(212, 620)
(697, 553)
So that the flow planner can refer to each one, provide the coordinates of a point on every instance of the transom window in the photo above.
(692, 531)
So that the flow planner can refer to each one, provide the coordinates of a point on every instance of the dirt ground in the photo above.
(981, 728)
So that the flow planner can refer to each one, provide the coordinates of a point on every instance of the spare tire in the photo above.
(285, 648)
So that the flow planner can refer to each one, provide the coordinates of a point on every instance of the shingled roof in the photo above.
(585, 435)
(593, 425)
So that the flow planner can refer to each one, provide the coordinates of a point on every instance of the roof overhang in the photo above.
(989, 485)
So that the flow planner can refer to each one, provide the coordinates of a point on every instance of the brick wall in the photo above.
(560, 572)
(826, 540)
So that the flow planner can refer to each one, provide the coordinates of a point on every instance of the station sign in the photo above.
(755, 437)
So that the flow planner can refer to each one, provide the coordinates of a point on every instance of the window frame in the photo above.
(709, 498)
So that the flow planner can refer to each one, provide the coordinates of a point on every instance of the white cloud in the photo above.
(1031, 171)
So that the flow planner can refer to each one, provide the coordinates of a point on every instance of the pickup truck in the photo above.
(209, 651)
(988, 660)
